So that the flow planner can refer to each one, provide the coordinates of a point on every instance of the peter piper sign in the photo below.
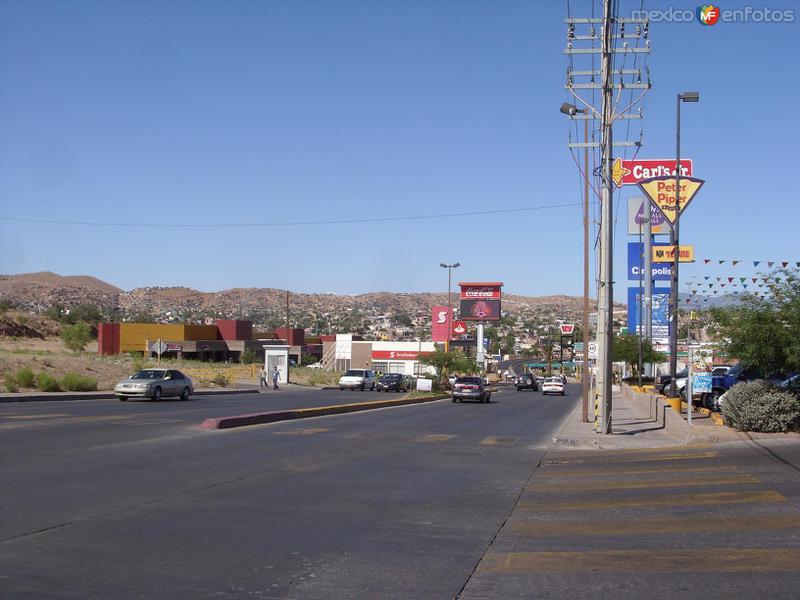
(631, 172)
(662, 192)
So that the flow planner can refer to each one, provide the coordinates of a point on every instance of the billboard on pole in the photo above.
(631, 172)
(440, 323)
(660, 271)
(660, 305)
(658, 224)
(480, 310)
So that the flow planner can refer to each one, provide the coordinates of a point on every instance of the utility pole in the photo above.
(648, 277)
(586, 371)
(611, 28)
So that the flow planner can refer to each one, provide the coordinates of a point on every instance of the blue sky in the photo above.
(273, 112)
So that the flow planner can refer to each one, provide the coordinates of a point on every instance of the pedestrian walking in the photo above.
(275, 377)
(262, 379)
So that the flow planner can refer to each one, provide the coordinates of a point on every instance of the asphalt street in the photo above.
(105, 499)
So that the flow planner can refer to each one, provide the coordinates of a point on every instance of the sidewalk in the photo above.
(632, 425)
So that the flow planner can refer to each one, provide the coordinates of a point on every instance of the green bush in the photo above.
(11, 384)
(25, 377)
(761, 406)
(47, 383)
(74, 382)
(248, 357)
(76, 336)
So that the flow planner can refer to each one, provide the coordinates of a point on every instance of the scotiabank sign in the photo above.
(440, 323)
(478, 290)
(397, 354)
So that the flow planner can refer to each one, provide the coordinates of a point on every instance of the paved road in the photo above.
(697, 522)
(52, 426)
(120, 500)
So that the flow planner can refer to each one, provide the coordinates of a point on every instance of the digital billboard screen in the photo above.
(480, 310)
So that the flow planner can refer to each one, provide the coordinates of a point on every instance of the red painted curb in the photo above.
(304, 413)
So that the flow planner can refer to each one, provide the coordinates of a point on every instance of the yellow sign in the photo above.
(666, 254)
(661, 191)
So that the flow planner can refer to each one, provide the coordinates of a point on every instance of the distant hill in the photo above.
(36, 292)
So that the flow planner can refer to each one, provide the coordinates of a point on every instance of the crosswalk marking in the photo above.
(308, 431)
(652, 483)
(499, 441)
(707, 560)
(574, 473)
(639, 526)
(662, 500)
(433, 438)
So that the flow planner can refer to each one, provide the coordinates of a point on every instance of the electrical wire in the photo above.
(291, 223)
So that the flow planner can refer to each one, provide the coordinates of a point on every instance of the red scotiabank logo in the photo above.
(397, 354)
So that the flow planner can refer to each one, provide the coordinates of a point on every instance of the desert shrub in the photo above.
(220, 380)
(78, 383)
(11, 384)
(47, 383)
(761, 406)
(25, 377)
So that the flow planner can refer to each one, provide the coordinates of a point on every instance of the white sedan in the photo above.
(553, 385)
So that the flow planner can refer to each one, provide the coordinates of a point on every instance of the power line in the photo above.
(291, 223)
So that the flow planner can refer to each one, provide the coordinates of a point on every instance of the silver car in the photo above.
(155, 384)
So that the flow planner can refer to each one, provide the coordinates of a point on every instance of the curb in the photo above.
(66, 396)
(305, 413)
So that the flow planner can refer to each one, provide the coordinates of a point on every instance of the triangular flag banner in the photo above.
(735, 262)
(693, 293)
(706, 260)
(710, 285)
(784, 264)
(756, 263)
(719, 278)
(798, 264)
(754, 279)
(722, 262)
(770, 263)
(723, 284)
(730, 279)
(715, 292)
(777, 280)
(744, 285)
(742, 279)
(706, 278)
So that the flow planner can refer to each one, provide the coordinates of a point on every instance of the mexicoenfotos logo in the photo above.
(708, 14)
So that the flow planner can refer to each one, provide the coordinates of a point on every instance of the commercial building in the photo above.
(226, 340)
(347, 351)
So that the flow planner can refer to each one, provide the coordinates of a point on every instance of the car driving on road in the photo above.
(392, 381)
(155, 384)
(470, 388)
(357, 379)
(553, 385)
(527, 381)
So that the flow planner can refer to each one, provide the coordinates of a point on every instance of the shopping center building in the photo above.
(347, 351)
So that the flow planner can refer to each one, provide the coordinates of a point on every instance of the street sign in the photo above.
(662, 194)
(567, 328)
(702, 383)
(660, 272)
(592, 348)
(159, 347)
(666, 254)
(631, 172)
(660, 308)
(636, 225)
(459, 328)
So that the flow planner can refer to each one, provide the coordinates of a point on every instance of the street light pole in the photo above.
(675, 243)
(449, 302)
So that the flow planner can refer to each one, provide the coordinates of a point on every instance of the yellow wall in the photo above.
(200, 332)
(132, 336)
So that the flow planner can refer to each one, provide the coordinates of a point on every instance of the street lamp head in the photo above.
(690, 96)
(455, 266)
(569, 109)
(444, 266)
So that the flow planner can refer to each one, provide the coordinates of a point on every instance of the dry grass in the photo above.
(108, 370)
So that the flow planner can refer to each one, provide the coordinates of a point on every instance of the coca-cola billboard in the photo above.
(479, 290)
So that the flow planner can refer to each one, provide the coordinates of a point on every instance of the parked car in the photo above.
(527, 382)
(470, 388)
(155, 384)
(392, 381)
(720, 370)
(539, 380)
(357, 379)
(553, 385)
(452, 380)
(665, 380)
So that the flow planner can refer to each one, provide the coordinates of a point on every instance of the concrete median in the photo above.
(305, 413)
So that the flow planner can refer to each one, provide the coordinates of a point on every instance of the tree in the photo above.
(448, 362)
(764, 332)
(248, 357)
(626, 349)
(403, 319)
(308, 359)
(76, 336)
(85, 313)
